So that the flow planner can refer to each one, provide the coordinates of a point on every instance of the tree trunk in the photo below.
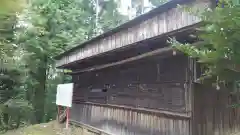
(39, 100)
(18, 122)
(6, 119)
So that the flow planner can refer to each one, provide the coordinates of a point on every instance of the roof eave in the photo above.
(143, 17)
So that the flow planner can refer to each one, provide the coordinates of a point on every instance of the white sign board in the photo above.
(64, 94)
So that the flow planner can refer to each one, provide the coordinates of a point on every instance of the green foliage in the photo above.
(158, 2)
(11, 6)
(11, 70)
(140, 5)
(29, 41)
(52, 27)
(47, 34)
(110, 17)
(220, 51)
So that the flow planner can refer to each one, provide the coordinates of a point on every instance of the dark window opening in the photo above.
(99, 90)
(104, 90)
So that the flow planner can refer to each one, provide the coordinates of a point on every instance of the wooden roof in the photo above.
(161, 20)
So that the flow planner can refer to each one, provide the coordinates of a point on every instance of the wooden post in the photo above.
(67, 119)
(58, 114)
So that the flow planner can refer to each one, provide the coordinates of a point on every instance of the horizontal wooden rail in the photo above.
(88, 127)
(142, 56)
(184, 115)
(162, 50)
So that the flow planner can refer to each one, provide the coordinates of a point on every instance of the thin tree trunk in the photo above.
(40, 93)
(18, 122)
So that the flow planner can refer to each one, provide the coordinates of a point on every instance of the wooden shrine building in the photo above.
(129, 81)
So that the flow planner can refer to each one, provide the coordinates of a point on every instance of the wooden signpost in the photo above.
(64, 99)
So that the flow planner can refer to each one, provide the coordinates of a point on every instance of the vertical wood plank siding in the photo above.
(212, 112)
(117, 121)
(166, 22)
(155, 84)
(148, 98)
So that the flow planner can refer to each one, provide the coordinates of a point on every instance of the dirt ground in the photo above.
(51, 128)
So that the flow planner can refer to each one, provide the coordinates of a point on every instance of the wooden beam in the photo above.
(145, 55)
(88, 128)
(152, 53)
(183, 115)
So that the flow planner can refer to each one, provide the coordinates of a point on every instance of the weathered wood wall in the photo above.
(157, 84)
(171, 20)
(141, 98)
(212, 112)
(119, 121)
